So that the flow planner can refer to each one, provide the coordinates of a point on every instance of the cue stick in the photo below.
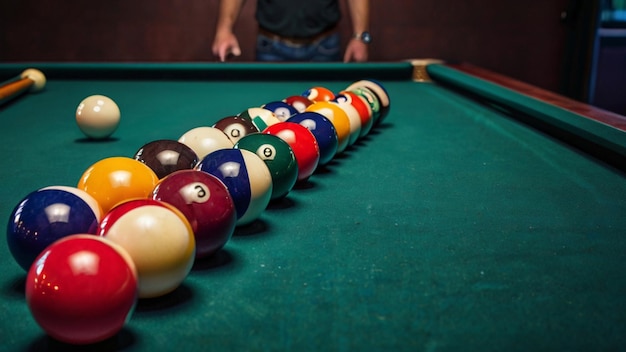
(29, 80)
(10, 80)
(15, 88)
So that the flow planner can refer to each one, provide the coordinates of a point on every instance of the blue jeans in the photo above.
(324, 49)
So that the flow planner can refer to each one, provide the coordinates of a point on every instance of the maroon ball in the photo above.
(299, 102)
(236, 127)
(205, 202)
(166, 156)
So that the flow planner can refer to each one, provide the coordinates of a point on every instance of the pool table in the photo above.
(481, 214)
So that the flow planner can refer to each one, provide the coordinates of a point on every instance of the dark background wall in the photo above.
(526, 40)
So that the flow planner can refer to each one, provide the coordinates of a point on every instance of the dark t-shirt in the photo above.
(297, 18)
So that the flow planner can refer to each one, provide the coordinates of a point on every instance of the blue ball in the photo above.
(324, 132)
(247, 178)
(281, 109)
(47, 215)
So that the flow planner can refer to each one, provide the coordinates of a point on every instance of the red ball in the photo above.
(205, 202)
(302, 142)
(82, 289)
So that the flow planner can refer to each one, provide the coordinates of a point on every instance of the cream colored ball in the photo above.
(98, 116)
(205, 140)
(36, 76)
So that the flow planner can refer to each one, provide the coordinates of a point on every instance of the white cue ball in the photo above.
(98, 116)
(37, 76)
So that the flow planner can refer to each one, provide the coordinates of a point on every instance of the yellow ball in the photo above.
(117, 179)
(355, 120)
(339, 119)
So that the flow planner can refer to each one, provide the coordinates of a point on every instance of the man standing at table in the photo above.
(296, 30)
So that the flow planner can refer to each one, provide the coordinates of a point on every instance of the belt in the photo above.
(296, 41)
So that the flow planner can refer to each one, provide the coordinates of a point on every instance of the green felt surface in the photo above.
(450, 227)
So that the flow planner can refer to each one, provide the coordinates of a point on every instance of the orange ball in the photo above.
(319, 94)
